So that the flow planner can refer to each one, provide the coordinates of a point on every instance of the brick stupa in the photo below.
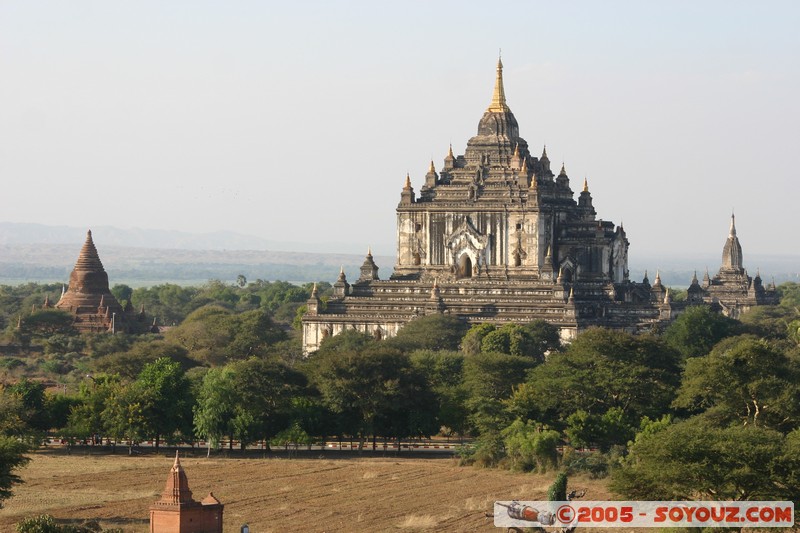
(177, 512)
(88, 297)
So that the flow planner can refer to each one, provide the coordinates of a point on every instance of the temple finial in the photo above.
(369, 251)
(177, 463)
(408, 182)
(450, 151)
(499, 96)
(733, 225)
(432, 168)
(585, 185)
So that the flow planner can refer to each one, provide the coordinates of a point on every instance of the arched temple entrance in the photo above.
(464, 266)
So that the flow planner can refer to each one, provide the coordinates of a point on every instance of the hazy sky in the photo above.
(298, 121)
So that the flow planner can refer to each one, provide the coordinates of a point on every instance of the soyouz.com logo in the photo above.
(643, 514)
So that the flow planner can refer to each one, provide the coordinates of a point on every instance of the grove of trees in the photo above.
(708, 408)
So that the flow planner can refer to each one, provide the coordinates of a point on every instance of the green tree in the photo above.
(216, 335)
(558, 490)
(12, 457)
(254, 333)
(122, 292)
(169, 302)
(743, 380)
(432, 332)
(768, 321)
(32, 404)
(130, 363)
(86, 417)
(789, 294)
(489, 379)
(532, 340)
(45, 323)
(542, 338)
(47, 524)
(347, 341)
(793, 331)
(530, 446)
(124, 416)
(444, 373)
(601, 370)
(168, 408)
(12, 412)
(697, 330)
(691, 460)
(371, 389)
(472, 342)
(100, 344)
(586, 429)
(215, 406)
(263, 390)
(507, 339)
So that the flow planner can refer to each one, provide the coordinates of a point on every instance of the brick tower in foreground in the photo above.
(177, 512)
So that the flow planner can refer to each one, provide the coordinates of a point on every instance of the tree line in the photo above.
(706, 408)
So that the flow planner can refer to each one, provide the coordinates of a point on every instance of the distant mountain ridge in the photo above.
(140, 257)
(26, 233)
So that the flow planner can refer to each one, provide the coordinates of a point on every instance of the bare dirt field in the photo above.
(335, 493)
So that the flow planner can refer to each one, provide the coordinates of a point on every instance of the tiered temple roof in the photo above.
(496, 236)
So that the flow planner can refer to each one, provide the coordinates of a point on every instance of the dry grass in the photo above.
(418, 522)
(279, 495)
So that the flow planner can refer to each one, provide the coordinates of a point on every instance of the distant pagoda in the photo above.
(88, 297)
(732, 291)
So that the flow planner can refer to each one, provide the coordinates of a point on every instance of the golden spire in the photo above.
(408, 182)
(499, 96)
(585, 185)
(450, 151)
(432, 168)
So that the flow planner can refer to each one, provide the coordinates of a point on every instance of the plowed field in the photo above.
(341, 493)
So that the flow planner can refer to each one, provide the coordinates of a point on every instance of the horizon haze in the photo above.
(298, 122)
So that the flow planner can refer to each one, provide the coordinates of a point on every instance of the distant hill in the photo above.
(15, 233)
(139, 257)
(149, 266)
